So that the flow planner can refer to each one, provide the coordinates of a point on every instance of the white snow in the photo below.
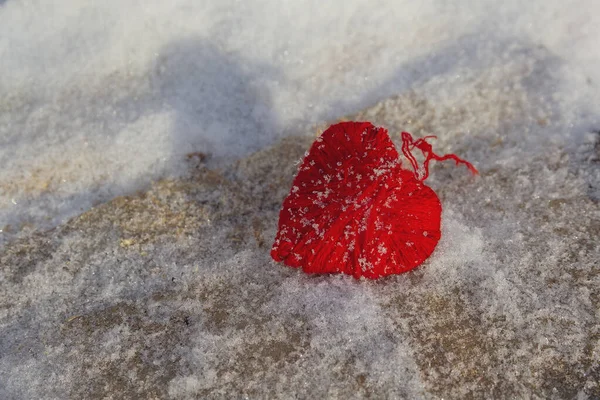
(100, 98)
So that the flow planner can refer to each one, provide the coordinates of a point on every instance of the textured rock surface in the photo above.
(171, 292)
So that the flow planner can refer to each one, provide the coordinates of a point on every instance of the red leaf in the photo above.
(353, 209)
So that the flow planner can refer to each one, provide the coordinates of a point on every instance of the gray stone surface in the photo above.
(171, 293)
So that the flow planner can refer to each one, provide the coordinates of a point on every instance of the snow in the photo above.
(100, 99)
(103, 99)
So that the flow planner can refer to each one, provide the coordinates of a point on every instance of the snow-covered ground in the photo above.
(97, 99)
(171, 291)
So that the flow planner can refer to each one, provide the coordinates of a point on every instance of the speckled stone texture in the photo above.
(171, 293)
